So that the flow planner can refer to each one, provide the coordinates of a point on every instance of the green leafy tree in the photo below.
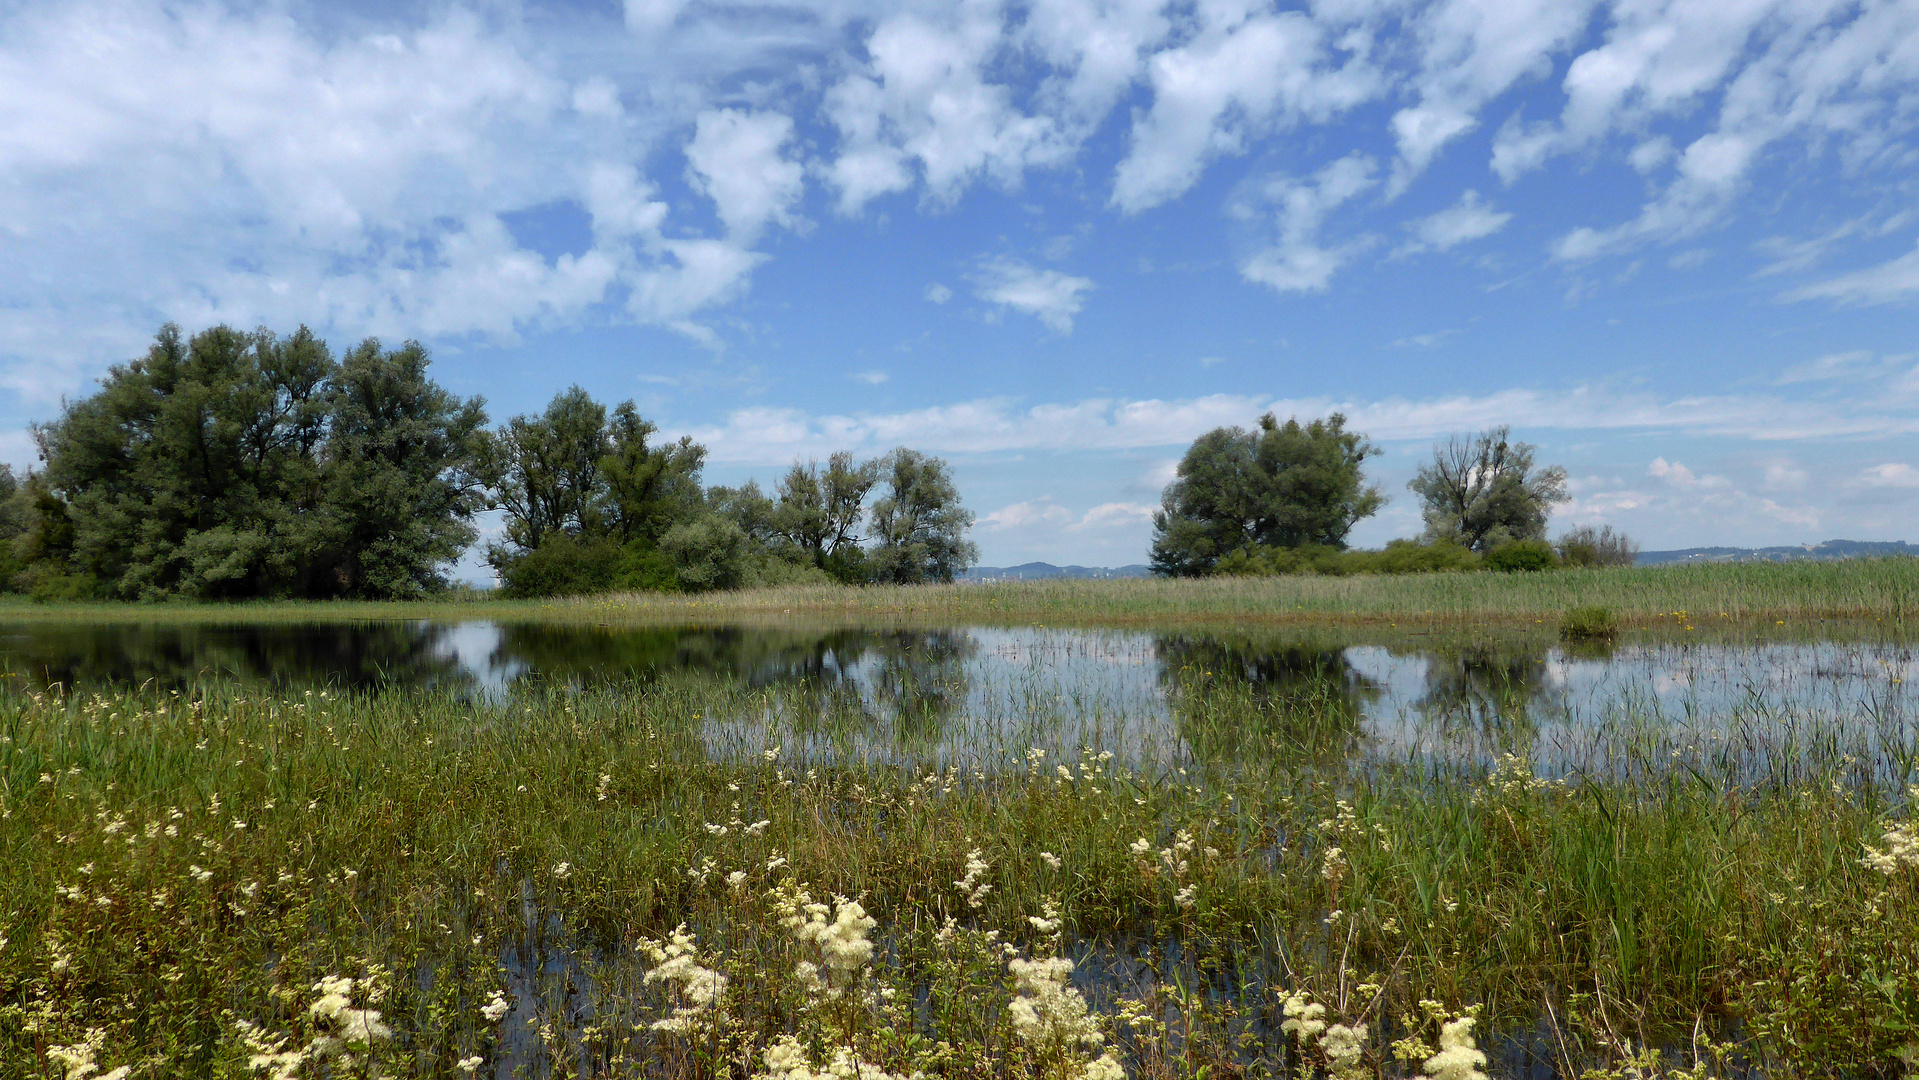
(401, 476)
(919, 523)
(648, 489)
(1281, 486)
(818, 509)
(238, 464)
(195, 470)
(546, 472)
(1485, 491)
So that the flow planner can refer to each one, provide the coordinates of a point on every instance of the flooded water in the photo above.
(1158, 699)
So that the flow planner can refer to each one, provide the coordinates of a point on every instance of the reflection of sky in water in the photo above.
(967, 694)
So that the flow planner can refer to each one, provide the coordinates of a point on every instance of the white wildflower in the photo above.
(495, 1007)
(1050, 859)
(677, 960)
(563, 870)
(971, 885)
(1458, 1057)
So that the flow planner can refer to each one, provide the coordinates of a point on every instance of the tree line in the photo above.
(237, 464)
(1282, 498)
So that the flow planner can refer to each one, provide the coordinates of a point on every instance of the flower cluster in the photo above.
(787, 1060)
(343, 1033)
(1902, 846)
(1343, 1046)
(677, 961)
(1051, 1017)
(971, 886)
(76, 1062)
(840, 933)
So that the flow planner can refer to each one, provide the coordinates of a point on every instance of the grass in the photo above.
(188, 878)
(1674, 597)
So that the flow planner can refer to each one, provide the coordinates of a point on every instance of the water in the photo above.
(1159, 699)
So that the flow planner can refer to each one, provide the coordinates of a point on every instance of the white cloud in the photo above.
(736, 158)
(938, 293)
(1886, 283)
(1892, 474)
(870, 378)
(1471, 52)
(1468, 220)
(1829, 72)
(988, 425)
(1048, 295)
(923, 99)
(195, 164)
(1244, 72)
(1116, 515)
(1025, 514)
(1298, 262)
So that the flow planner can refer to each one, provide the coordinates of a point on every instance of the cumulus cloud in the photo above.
(1048, 295)
(1892, 474)
(1243, 73)
(737, 159)
(938, 293)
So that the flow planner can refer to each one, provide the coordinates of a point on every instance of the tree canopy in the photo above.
(1484, 491)
(237, 464)
(1279, 486)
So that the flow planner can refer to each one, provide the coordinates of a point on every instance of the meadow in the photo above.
(693, 875)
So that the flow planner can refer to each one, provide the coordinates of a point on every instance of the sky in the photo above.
(1672, 243)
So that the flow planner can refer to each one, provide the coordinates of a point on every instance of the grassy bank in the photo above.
(1669, 597)
(233, 883)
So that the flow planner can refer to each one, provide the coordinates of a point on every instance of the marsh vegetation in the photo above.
(974, 853)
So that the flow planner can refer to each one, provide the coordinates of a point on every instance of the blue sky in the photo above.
(1671, 242)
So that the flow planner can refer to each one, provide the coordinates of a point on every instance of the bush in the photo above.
(1398, 557)
(1522, 555)
(563, 566)
(1587, 546)
(1588, 624)
(1414, 557)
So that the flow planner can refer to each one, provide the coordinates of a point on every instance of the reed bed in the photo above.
(1669, 596)
(695, 877)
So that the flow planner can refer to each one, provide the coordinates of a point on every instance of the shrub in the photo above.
(1588, 624)
(1587, 546)
(1519, 555)
(1414, 557)
(563, 566)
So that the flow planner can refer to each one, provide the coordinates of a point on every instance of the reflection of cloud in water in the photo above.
(962, 694)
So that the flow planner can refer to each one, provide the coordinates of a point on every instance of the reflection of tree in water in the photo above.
(843, 679)
(176, 656)
(1492, 687)
(1296, 701)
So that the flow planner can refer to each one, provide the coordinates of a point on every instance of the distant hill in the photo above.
(1037, 571)
(1831, 549)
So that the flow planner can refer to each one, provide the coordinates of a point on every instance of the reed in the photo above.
(1671, 597)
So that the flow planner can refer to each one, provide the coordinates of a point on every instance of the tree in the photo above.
(1484, 491)
(818, 510)
(546, 471)
(1282, 486)
(401, 474)
(246, 464)
(919, 523)
(648, 488)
